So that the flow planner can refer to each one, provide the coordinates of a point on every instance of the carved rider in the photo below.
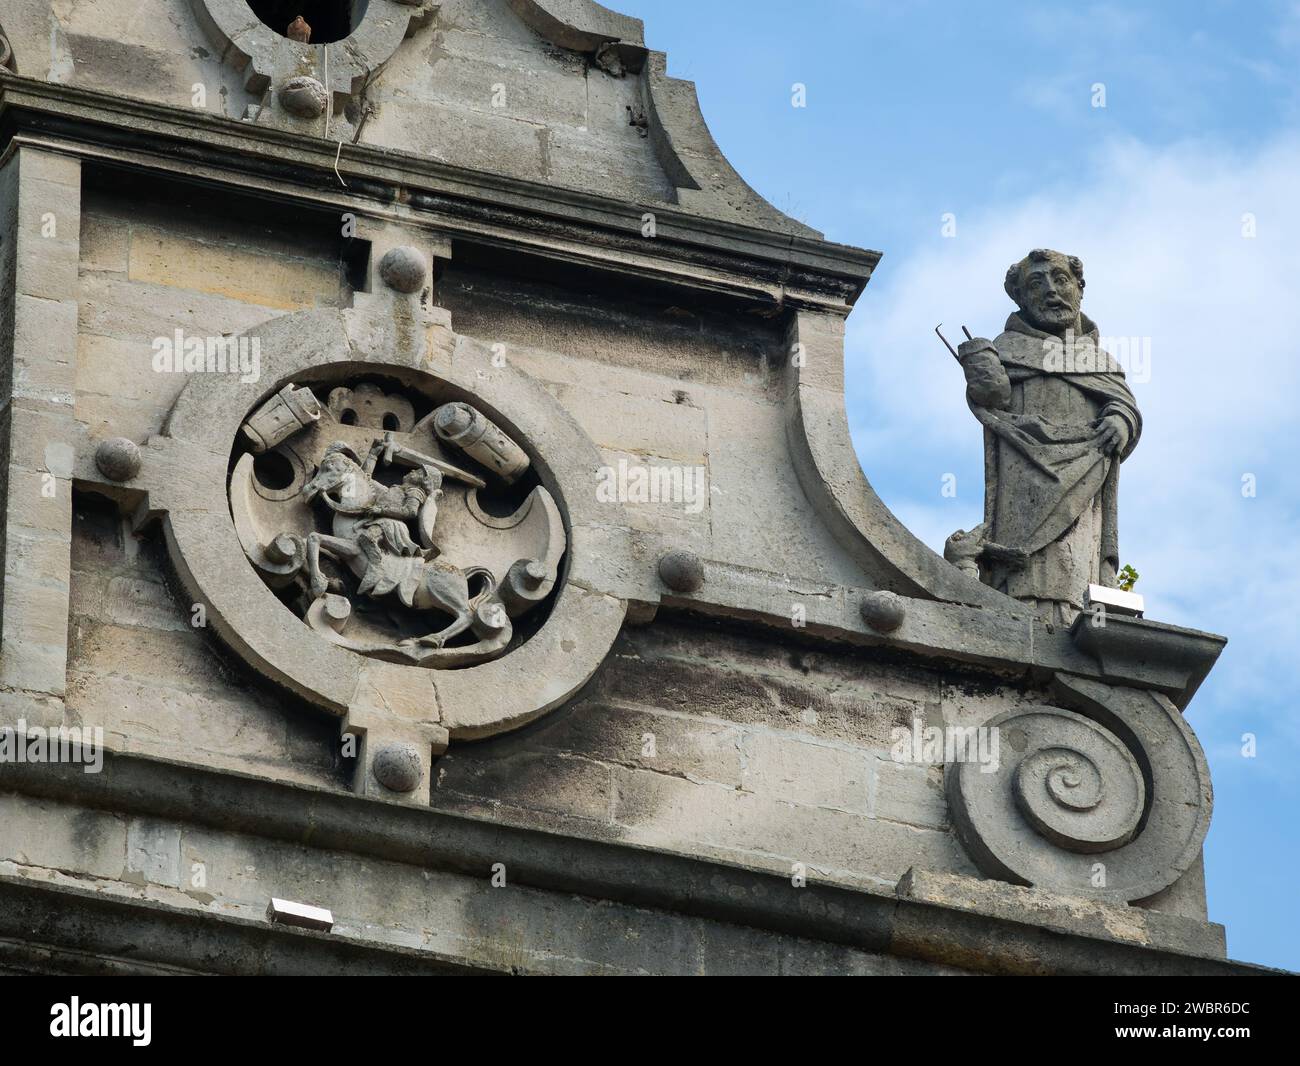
(380, 533)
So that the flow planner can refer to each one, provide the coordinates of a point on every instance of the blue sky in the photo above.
(986, 112)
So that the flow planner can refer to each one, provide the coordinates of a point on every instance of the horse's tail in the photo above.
(489, 583)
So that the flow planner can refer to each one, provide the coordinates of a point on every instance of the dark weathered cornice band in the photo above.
(639, 876)
(742, 261)
(81, 931)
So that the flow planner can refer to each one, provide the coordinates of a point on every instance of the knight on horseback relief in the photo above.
(370, 524)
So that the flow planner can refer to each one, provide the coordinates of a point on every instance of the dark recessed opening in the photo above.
(330, 20)
(273, 471)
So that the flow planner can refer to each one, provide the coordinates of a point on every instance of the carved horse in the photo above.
(372, 538)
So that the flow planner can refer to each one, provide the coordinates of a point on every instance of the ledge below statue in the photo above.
(1156, 655)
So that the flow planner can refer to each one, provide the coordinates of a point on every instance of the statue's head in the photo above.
(1047, 286)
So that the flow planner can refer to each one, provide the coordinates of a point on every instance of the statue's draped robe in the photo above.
(1049, 488)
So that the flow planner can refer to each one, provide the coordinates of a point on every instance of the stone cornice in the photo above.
(904, 925)
(748, 263)
(79, 929)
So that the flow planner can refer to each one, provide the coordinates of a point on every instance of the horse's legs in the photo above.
(335, 547)
(450, 592)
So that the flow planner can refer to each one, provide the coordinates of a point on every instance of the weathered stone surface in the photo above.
(1059, 419)
(1065, 913)
(404, 269)
(883, 611)
(118, 458)
(398, 767)
(733, 781)
(304, 96)
(682, 571)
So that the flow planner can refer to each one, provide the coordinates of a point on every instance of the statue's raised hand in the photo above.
(987, 384)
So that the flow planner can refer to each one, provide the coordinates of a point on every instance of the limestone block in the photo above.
(536, 781)
(613, 148)
(813, 774)
(105, 244)
(53, 836)
(47, 239)
(910, 793)
(621, 422)
(284, 284)
(470, 68)
(673, 813)
(481, 140)
(140, 312)
(153, 852)
(669, 743)
(44, 333)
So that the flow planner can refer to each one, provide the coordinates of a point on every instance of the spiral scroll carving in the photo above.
(1088, 797)
(1112, 803)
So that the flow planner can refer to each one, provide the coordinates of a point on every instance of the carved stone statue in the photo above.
(1058, 420)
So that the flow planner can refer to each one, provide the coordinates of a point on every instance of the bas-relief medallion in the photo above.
(395, 525)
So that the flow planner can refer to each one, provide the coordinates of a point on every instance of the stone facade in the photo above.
(668, 738)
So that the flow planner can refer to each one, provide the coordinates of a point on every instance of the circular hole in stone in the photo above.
(391, 422)
(273, 471)
(348, 417)
(330, 20)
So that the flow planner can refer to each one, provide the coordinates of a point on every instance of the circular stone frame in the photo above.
(192, 457)
(249, 44)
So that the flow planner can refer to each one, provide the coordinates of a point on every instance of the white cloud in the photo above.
(1160, 235)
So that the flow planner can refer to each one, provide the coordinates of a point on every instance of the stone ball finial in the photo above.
(681, 571)
(304, 96)
(118, 459)
(397, 767)
(883, 611)
(404, 268)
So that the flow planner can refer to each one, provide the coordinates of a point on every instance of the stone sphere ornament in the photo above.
(397, 768)
(118, 459)
(681, 571)
(404, 269)
(883, 611)
(304, 96)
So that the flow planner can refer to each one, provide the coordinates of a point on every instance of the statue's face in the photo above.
(1050, 294)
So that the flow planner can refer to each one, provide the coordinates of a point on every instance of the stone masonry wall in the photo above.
(739, 747)
(726, 743)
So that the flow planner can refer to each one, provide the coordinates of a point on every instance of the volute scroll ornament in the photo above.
(1109, 800)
